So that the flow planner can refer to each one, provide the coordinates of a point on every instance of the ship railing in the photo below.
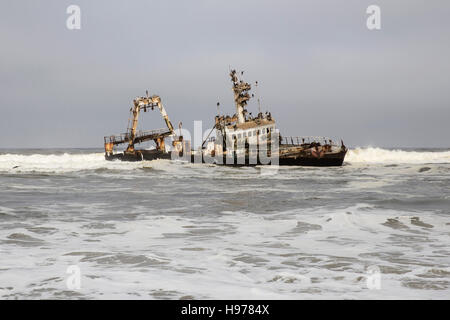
(125, 137)
(144, 134)
(298, 141)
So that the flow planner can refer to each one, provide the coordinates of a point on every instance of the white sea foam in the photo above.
(294, 254)
(378, 155)
(60, 163)
(64, 163)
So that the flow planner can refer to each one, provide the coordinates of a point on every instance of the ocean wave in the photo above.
(70, 162)
(379, 155)
(58, 163)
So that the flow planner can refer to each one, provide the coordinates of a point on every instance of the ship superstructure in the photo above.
(249, 140)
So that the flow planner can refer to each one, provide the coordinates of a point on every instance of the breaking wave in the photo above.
(378, 155)
(69, 162)
(60, 163)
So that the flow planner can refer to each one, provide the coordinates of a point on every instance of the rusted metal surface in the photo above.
(140, 136)
(133, 136)
(241, 96)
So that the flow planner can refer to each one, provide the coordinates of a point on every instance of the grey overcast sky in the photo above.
(321, 71)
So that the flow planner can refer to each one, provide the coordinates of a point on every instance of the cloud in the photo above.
(321, 72)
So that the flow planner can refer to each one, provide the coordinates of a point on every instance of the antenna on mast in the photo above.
(259, 101)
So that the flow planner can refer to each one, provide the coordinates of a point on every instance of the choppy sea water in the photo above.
(378, 227)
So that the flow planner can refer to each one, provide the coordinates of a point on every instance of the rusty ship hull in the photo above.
(334, 160)
(300, 159)
(139, 155)
(331, 160)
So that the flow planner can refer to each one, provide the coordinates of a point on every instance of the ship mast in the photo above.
(144, 103)
(241, 95)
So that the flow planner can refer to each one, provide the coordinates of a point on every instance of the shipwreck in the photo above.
(239, 140)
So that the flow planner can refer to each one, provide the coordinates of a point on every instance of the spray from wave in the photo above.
(378, 155)
(57, 163)
(67, 162)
